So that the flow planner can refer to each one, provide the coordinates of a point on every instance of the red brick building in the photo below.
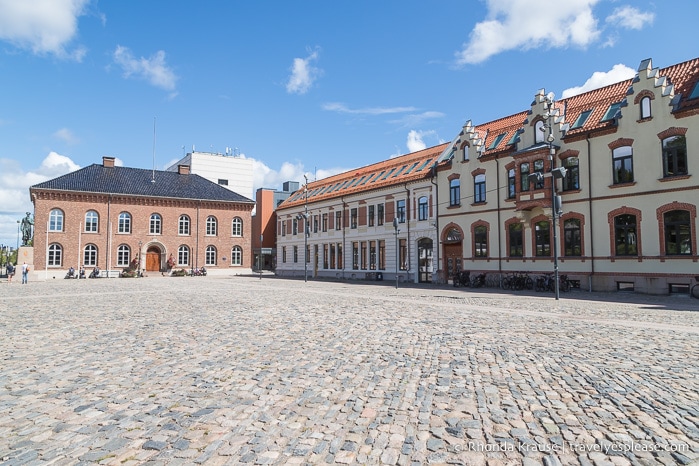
(108, 217)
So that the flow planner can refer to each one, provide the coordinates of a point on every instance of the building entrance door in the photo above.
(153, 259)
(453, 254)
(424, 257)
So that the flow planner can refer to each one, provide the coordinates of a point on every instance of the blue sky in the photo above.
(314, 87)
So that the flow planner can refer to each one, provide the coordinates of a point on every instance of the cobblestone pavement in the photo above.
(236, 370)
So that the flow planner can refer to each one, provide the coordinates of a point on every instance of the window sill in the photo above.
(644, 119)
(479, 203)
(454, 206)
(622, 185)
(674, 178)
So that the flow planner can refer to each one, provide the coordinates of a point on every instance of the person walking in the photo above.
(25, 273)
(10, 272)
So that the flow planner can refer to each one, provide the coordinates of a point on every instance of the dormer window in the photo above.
(496, 141)
(582, 118)
(645, 107)
(695, 91)
(611, 112)
(539, 130)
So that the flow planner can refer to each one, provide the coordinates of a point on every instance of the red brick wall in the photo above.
(73, 238)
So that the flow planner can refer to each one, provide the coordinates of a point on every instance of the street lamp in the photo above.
(396, 231)
(304, 216)
(259, 257)
(555, 174)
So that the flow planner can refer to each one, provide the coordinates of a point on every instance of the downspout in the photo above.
(109, 233)
(344, 245)
(497, 184)
(407, 221)
(196, 254)
(589, 209)
(436, 215)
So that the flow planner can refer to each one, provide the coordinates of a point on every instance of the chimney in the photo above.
(183, 169)
(107, 162)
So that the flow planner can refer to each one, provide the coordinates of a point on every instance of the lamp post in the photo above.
(555, 174)
(305, 230)
(139, 271)
(396, 231)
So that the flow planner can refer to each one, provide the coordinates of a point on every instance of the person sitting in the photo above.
(95, 273)
(71, 273)
(82, 273)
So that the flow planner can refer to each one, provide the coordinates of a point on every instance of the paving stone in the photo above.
(234, 370)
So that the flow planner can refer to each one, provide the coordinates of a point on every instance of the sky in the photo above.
(310, 87)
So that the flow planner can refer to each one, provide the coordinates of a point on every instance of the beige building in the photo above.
(351, 232)
(628, 196)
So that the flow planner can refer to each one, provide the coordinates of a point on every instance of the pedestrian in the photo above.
(25, 273)
(10, 272)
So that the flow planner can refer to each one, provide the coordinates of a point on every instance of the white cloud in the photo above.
(342, 108)
(66, 135)
(630, 18)
(416, 139)
(599, 79)
(416, 119)
(14, 189)
(153, 69)
(523, 24)
(43, 26)
(303, 74)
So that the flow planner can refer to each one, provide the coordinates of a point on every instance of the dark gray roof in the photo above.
(137, 182)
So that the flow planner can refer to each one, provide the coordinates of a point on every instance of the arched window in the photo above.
(90, 255)
(237, 255)
(123, 256)
(211, 226)
(675, 156)
(645, 107)
(511, 184)
(622, 164)
(91, 221)
(124, 223)
(55, 258)
(480, 241)
(210, 255)
(237, 227)
(156, 224)
(678, 233)
(455, 192)
(625, 235)
(479, 188)
(465, 153)
(571, 182)
(422, 208)
(572, 245)
(542, 238)
(56, 220)
(453, 236)
(183, 226)
(515, 231)
(183, 255)
(539, 130)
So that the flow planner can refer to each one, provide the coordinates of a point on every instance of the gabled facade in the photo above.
(107, 216)
(350, 216)
(629, 194)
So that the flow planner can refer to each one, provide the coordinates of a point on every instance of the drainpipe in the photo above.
(497, 183)
(436, 215)
(196, 254)
(109, 234)
(344, 239)
(408, 209)
(589, 208)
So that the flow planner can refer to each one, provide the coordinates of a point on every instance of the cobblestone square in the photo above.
(238, 370)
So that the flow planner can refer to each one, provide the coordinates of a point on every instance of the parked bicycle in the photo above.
(478, 281)
(462, 278)
(694, 292)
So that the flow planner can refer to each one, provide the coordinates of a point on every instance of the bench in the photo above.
(110, 273)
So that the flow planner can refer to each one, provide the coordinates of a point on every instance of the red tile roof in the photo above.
(398, 170)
